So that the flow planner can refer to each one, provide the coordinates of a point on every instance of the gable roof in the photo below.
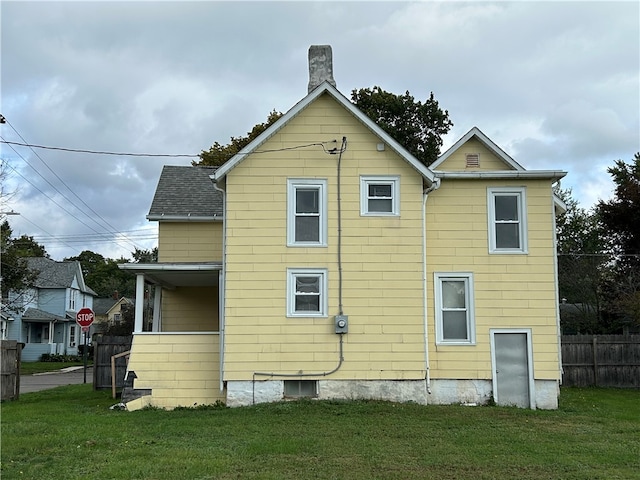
(514, 170)
(484, 140)
(186, 194)
(324, 88)
(53, 274)
(102, 306)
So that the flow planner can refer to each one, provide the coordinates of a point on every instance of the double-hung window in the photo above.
(306, 292)
(455, 323)
(379, 195)
(72, 335)
(507, 220)
(306, 212)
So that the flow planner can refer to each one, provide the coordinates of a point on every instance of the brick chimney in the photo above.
(320, 66)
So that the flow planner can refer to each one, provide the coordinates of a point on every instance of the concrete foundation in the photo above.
(443, 391)
(448, 392)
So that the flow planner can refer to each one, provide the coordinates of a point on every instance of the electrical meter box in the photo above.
(342, 324)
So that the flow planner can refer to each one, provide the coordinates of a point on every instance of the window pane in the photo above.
(307, 303)
(507, 235)
(379, 190)
(506, 207)
(300, 388)
(307, 200)
(307, 229)
(454, 326)
(308, 284)
(380, 205)
(453, 292)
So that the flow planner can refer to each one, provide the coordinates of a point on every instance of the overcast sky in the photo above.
(556, 85)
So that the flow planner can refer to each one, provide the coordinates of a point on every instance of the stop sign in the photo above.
(84, 317)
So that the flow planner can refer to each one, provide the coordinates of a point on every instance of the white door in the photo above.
(512, 368)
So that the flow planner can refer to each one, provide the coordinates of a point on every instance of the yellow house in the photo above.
(325, 261)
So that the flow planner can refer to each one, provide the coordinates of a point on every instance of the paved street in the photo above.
(44, 381)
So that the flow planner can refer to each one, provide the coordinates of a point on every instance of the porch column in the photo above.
(137, 327)
(157, 314)
(52, 346)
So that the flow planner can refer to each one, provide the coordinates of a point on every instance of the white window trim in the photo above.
(73, 336)
(394, 181)
(292, 273)
(521, 193)
(292, 185)
(471, 321)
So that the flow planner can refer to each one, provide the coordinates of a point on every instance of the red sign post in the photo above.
(84, 318)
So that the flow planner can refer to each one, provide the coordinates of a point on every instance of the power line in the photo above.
(113, 229)
(60, 206)
(98, 152)
(160, 155)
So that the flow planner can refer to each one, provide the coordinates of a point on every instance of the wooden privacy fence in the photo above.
(601, 360)
(106, 347)
(10, 369)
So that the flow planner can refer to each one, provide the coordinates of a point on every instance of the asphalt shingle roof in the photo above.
(186, 192)
(37, 314)
(52, 274)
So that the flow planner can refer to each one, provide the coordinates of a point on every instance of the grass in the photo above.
(29, 368)
(70, 433)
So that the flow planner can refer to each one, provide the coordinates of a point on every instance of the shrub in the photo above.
(55, 357)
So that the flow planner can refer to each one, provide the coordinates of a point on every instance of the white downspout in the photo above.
(222, 281)
(557, 285)
(435, 185)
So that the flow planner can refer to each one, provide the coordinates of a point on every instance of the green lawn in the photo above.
(70, 433)
(29, 368)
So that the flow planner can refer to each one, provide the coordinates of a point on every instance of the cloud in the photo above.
(556, 84)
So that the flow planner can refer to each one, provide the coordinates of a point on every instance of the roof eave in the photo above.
(184, 218)
(502, 174)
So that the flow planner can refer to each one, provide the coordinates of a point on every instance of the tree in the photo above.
(25, 246)
(145, 256)
(582, 266)
(621, 219)
(417, 126)
(218, 154)
(16, 276)
(103, 275)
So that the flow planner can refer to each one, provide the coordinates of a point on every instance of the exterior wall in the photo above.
(190, 309)
(382, 259)
(488, 160)
(189, 241)
(180, 369)
(511, 290)
(52, 300)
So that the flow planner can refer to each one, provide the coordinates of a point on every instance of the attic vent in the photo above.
(473, 160)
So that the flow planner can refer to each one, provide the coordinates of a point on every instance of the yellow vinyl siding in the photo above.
(189, 241)
(488, 160)
(190, 309)
(382, 269)
(511, 291)
(180, 369)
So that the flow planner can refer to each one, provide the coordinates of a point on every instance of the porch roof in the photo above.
(36, 315)
(177, 274)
